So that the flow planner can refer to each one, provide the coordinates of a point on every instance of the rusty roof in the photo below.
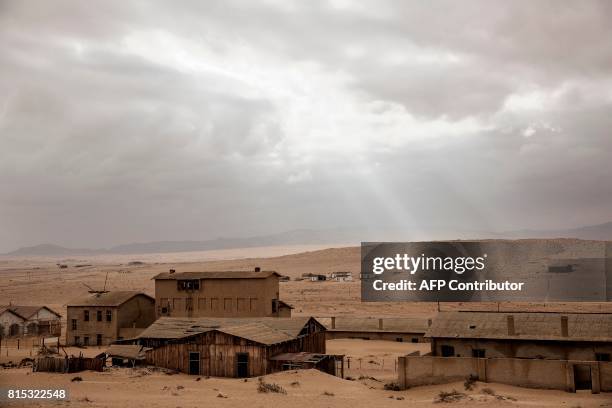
(527, 326)
(216, 275)
(368, 324)
(264, 330)
(113, 298)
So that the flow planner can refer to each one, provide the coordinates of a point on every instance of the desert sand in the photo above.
(372, 363)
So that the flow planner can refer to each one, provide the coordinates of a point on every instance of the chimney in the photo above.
(564, 326)
(510, 324)
(380, 324)
(333, 322)
(257, 269)
(172, 270)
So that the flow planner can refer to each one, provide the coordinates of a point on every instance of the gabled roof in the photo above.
(527, 326)
(29, 311)
(264, 330)
(8, 310)
(368, 324)
(114, 298)
(216, 275)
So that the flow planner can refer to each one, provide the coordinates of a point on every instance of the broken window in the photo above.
(98, 339)
(86, 315)
(189, 284)
(602, 356)
(74, 324)
(109, 315)
(99, 315)
(478, 353)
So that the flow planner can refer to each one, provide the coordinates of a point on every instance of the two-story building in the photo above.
(102, 318)
(219, 294)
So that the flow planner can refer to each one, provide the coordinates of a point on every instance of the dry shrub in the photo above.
(452, 396)
(265, 387)
(392, 386)
(470, 382)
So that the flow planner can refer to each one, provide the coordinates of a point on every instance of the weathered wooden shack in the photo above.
(241, 347)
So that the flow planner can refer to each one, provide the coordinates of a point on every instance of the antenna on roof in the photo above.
(105, 279)
(94, 291)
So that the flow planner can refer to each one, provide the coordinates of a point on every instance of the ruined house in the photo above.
(522, 335)
(101, 318)
(341, 276)
(29, 321)
(219, 294)
(564, 351)
(237, 347)
(411, 330)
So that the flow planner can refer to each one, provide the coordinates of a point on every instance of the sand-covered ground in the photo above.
(148, 387)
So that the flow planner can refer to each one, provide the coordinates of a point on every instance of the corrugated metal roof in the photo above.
(114, 298)
(527, 326)
(367, 324)
(216, 275)
(7, 309)
(131, 351)
(265, 330)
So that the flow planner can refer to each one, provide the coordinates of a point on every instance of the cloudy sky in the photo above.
(141, 121)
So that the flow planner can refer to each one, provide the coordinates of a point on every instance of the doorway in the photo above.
(194, 363)
(242, 365)
(582, 377)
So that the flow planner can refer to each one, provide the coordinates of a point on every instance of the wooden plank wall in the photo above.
(218, 353)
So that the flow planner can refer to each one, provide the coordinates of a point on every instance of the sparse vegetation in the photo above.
(470, 382)
(392, 386)
(295, 384)
(265, 387)
(448, 397)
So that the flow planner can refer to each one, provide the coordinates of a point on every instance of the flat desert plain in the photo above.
(37, 281)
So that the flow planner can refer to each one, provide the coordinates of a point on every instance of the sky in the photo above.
(186, 120)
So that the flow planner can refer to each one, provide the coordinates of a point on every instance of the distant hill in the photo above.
(53, 250)
(349, 236)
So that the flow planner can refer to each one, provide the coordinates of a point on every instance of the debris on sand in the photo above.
(491, 392)
(76, 379)
(221, 395)
(452, 396)
(329, 394)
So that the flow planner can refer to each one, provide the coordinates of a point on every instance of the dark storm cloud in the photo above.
(136, 121)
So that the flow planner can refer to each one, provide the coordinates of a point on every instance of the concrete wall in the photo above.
(218, 298)
(552, 350)
(531, 373)
(138, 312)
(376, 335)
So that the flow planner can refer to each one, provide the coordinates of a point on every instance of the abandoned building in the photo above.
(237, 347)
(568, 351)
(128, 355)
(29, 321)
(219, 294)
(341, 276)
(101, 318)
(411, 330)
(313, 277)
(522, 335)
